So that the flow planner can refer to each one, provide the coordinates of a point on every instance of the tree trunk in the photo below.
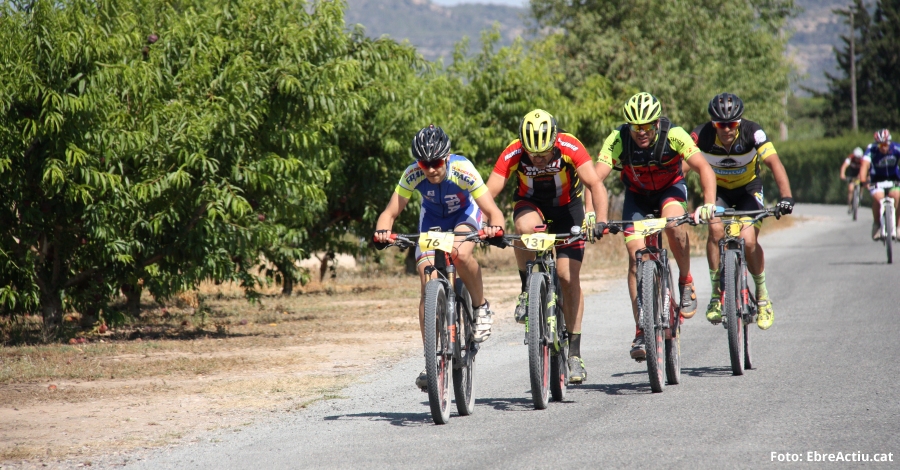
(132, 295)
(287, 284)
(52, 312)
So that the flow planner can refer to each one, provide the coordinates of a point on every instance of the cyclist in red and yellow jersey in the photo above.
(552, 168)
(649, 152)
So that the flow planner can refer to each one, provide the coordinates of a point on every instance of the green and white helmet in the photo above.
(642, 108)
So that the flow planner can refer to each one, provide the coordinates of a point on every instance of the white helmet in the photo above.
(857, 152)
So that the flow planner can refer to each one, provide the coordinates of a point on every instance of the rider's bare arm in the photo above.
(707, 176)
(598, 198)
(386, 219)
(495, 184)
(780, 175)
(494, 215)
(844, 170)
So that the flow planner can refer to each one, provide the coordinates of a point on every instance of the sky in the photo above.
(515, 3)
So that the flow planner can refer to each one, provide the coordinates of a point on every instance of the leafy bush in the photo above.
(813, 167)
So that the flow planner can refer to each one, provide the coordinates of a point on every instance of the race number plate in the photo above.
(649, 226)
(437, 241)
(538, 241)
(734, 229)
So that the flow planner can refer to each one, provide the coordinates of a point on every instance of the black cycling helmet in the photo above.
(430, 143)
(726, 107)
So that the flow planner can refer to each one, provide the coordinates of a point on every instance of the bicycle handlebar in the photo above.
(575, 234)
(407, 240)
(619, 225)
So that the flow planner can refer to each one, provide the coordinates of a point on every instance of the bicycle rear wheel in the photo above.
(538, 349)
(438, 356)
(650, 293)
(731, 307)
(855, 206)
(464, 371)
(673, 339)
(559, 367)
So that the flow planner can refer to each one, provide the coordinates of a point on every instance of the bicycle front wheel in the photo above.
(889, 227)
(438, 354)
(538, 348)
(464, 371)
(673, 339)
(731, 308)
(650, 293)
(559, 367)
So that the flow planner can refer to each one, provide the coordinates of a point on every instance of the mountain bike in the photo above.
(449, 323)
(888, 224)
(659, 314)
(545, 329)
(737, 299)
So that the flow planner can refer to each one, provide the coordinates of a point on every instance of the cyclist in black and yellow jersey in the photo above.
(735, 147)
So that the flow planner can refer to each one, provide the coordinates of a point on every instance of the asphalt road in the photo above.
(824, 383)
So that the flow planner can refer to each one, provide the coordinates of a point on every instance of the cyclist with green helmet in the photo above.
(649, 152)
(552, 169)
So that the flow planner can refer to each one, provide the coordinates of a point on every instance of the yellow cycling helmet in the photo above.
(642, 108)
(538, 131)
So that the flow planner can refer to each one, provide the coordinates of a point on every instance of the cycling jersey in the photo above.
(739, 165)
(456, 192)
(883, 166)
(853, 162)
(556, 184)
(641, 173)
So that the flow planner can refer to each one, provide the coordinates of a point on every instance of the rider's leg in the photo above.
(877, 197)
(467, 266)
(895, 195)
(525, 222)
(679, 243)
(569, 272)
(423, 262)
(756, 263)
(716, 233)
(633, 246)
(526, 217)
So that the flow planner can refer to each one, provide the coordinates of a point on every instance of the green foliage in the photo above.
(682, 52)
(813, 167)
(877, 47)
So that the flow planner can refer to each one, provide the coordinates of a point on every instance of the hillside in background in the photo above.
(434, 29)
(816, 32)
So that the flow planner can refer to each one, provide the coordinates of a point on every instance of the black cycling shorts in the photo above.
(559, 219)
(745, 198)
(851, 172)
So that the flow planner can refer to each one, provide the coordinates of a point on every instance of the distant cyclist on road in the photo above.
(650, 151)
(880, 164)
(850, 172)
(453, 198)
(551, 169)
(734, 147)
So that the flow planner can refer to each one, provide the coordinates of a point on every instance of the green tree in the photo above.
(877, 45)
(160, 153)
(682, 52)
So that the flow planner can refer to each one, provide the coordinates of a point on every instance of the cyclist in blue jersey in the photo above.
(880, 165)
(453, 198)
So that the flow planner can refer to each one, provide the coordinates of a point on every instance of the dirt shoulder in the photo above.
(219, 362)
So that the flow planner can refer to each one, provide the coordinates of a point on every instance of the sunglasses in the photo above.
(432, 164)
(638, 128)
(727, 125)
(542, 155)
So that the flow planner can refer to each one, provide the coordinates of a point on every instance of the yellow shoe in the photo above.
(766, 314)
(714, 311)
